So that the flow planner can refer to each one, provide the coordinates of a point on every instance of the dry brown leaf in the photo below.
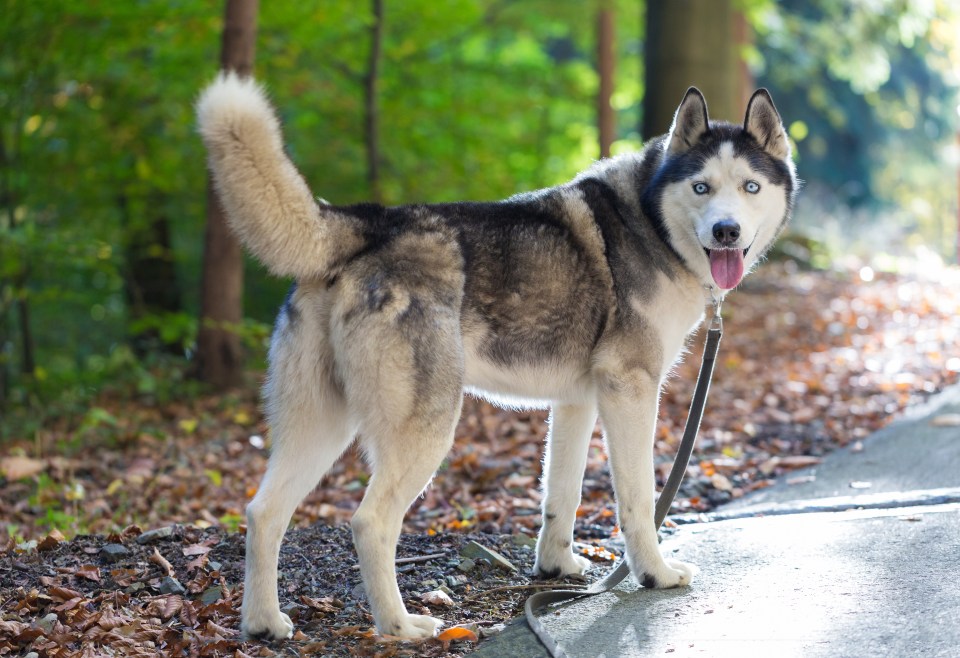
(89, 571)
(69, 605)
(188, 614)
(18, 467)
(12, 628)
(51, 541)
(61, 594)
(124, 577)
(110, 619)
(196, 549)
(162, 562)
(197, 563)
(325, 604)
(164, 607)
(216, 629)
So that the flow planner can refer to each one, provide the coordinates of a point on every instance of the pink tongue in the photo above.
(726, 266)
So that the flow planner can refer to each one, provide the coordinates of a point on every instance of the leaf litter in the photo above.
(810, 361)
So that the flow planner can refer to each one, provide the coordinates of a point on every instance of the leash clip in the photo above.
(716, 321)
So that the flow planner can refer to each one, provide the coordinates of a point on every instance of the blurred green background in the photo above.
(102, 178)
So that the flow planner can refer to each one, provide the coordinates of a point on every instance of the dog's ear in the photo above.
(762, 122)
(690, 122)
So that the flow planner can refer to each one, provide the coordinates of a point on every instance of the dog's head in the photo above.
(723, 192)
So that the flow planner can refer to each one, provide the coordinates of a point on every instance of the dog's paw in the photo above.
(411, 627)
(567, 564)
(673, 574)
(266, 626)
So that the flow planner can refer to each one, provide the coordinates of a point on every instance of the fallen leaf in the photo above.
(458, 633)
(196, 549)
(58, 593)
(799, 461)
(437, 597)
(18, 467)
(325, 604)
(89, 571)
(164, 607)
(162, 562)
(188, 425)
(50, 541)
(946, 420)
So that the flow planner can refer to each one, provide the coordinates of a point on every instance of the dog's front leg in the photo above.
(566, 458)
(628, 411)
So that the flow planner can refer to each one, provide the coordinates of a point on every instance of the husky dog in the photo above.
(578, 297)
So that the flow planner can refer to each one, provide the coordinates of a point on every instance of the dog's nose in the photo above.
(726, 232)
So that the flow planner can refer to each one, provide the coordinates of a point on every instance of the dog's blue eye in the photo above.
(752, 186)
(701, 188)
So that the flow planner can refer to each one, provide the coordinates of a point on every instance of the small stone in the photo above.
(211, 595)
(475, 550)
(155, 535)
(133, 588)
(47, 623)
(456, 581)
(32, 654)
(359, 593)
(446, 590)
(523, 540)
(292, 610)
(467, 565)
(490, 631)
(213, 565)
(170, 585)
(114, 552)
(429, 584)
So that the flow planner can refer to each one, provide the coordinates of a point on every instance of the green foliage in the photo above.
(478, 99)
(871, 88)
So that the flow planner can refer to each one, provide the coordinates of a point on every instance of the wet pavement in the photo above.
(820, 568)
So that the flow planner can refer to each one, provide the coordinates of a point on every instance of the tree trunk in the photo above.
(606, 119)
(371, 108)
(690, 42)
(219, 351)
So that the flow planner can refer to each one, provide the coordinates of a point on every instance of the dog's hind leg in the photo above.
(402, 465)
(567, 444)
(411, 394)
(310, 428)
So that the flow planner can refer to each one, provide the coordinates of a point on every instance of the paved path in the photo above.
(798, 581)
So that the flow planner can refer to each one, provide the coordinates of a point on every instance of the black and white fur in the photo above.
(579, 297)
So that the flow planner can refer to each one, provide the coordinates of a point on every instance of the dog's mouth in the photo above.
(726, 266)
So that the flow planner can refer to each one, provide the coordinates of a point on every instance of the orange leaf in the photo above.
(458, 633)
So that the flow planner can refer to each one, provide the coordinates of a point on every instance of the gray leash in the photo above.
(612, 579)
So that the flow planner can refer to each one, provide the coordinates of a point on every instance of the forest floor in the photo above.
(810, 361)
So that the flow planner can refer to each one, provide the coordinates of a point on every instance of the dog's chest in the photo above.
(673, 313)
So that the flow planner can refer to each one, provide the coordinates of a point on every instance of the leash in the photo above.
(694, 416)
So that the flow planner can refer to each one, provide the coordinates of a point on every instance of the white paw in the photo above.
(567, 564)
(672, 573)
(412, 627)
(266, 626)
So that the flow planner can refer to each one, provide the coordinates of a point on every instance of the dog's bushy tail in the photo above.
(267, 201)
